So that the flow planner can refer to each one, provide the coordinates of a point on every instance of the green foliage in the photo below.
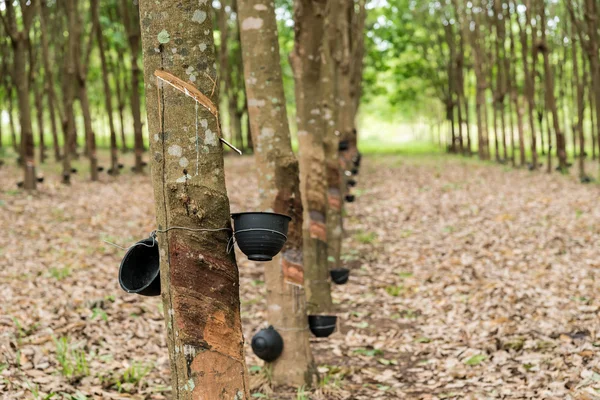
(394, 291)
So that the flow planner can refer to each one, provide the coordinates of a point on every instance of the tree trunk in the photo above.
(550, 97)
(114, 154)
(279, 188)
(578, 83)
(48, 78)
(199, 279)
(11, 120)
(306, 64)
(480, 87)
(19, 41)
(69, 76)
(514, 95)
(331, 69)
(133, 34)
(38, 101)
(120, 101)
(529, 73)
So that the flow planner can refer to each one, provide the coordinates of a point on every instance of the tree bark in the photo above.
(279, 188)
(306, 64)
(199, 279)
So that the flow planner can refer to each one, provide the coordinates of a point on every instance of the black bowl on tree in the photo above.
(350, 198)
(139, 272)
(343, 145)
(267, 344)
(40, 179)
(322, 325)
(260, 235)
(351, 182)
(354, 171)
(339, 276)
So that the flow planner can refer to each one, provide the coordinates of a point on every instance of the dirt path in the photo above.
(468, 281)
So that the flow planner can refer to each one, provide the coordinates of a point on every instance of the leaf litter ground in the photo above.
(469, 281)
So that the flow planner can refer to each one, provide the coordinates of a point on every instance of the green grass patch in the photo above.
(366, 237)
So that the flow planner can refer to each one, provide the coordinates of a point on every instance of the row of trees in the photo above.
(70, 73)
(199, 278)
(64, 53)
(68, 53)
(527, 70)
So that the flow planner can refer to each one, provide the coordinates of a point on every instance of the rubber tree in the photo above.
(231, 70)
(199, 278)
(19, 37)
(306, 65)
(82, 58)
(549, 90)
(69, 75)
(279, 188)
(114, 153)
(133, 37)
(334, 57)
(48, 76)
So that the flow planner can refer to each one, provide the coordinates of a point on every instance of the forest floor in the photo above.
(469, 281)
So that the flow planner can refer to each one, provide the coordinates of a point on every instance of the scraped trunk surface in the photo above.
(199, 279)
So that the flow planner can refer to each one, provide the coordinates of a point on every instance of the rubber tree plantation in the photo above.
(299, 199)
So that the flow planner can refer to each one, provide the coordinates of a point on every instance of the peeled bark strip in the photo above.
(279, 188)
(200, 281)
(306, 64)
